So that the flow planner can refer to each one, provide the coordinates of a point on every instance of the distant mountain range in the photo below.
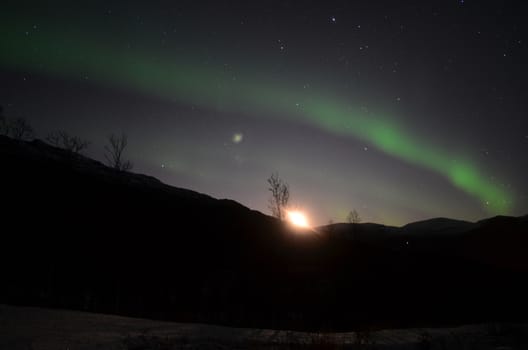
(77, 234)
(498, 241)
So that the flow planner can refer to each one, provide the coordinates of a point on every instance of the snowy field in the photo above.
(26, 328)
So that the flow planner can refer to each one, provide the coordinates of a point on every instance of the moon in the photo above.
(297, 219)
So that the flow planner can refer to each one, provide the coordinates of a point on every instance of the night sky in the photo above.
(402, 110)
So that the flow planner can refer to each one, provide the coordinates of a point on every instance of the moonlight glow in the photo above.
(298, 219)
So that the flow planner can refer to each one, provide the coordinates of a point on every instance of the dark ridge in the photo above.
(439, 225)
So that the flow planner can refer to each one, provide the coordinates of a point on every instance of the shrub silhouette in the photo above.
(19, 129)
(70, 143)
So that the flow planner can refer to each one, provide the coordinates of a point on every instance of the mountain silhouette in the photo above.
(439, 225)
(80, 235)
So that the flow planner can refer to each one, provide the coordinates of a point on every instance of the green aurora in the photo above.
(59, 55)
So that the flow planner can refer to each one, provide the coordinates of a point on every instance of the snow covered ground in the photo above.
(28, 328)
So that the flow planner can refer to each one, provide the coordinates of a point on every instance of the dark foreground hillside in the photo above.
(79, 235)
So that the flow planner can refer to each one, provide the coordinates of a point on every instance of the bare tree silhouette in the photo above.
(353, 217)
(20, 129)
(70, 143)
(114, 152)
(280, 195)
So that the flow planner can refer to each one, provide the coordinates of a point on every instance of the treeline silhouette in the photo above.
(20, 129)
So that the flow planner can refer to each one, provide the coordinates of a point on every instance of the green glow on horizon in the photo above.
(60, 56)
